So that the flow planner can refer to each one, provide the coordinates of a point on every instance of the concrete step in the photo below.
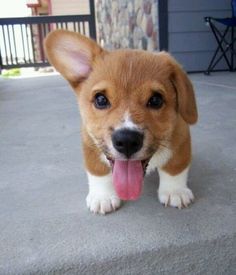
(45, 227)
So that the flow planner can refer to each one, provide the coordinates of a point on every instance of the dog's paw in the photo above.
(102, 203)
(178, 197)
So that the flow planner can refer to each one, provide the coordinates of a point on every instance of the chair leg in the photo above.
(229, 47)
(220, 42)
(210, 67)
(220, 38)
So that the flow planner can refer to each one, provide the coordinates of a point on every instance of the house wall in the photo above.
(62, 7)
(127, 24)
(189, 39)
(135, 24)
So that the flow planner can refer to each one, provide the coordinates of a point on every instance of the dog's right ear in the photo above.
(184, 90)
(71, 54)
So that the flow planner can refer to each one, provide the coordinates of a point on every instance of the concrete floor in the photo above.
(45, 227)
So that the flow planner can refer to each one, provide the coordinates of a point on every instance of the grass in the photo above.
(11, 72)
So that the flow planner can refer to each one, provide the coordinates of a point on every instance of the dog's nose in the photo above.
(127, 141)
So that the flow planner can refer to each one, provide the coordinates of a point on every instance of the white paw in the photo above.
(179, 197)
(102, 203)
(102, 197)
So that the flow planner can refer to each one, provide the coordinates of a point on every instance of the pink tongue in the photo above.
(128, 179)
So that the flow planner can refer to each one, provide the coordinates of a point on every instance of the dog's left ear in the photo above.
(185, 94)
(71, 54)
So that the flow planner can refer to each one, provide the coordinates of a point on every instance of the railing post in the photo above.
(163, 25)
(1, 63)
(21, 52)
(92, 21)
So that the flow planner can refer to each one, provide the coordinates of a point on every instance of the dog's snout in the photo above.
(127, 141)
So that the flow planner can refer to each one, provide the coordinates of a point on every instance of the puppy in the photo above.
(136, 108)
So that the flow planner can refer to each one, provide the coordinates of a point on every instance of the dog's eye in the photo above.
(101, 101)
(156, 101)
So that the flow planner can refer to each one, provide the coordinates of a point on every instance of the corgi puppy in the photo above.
(136, 108)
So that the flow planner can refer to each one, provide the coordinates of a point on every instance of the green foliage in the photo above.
(11, 72)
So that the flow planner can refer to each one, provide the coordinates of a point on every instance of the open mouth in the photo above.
(144, 163)
(127, 176)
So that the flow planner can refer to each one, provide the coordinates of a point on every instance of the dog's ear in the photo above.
(185, 94)
(71, 54)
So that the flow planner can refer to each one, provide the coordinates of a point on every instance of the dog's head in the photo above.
(130, 100)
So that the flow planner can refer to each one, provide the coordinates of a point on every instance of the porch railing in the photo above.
(21, 39)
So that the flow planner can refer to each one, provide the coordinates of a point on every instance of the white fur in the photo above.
(173, 190)
(159, 159)
(102, 197)
(104, 159)
(127, 123)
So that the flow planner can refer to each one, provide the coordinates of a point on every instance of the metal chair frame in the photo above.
(225, 44)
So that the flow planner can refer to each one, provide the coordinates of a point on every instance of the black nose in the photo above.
(127, 141)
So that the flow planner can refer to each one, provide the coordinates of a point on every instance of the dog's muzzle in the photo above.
(128, 172)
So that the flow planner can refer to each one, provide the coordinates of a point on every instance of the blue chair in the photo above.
(225, 39)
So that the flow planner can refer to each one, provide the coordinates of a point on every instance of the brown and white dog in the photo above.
(136, 108)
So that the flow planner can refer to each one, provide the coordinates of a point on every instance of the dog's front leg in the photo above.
(102, 197)
(173, 190)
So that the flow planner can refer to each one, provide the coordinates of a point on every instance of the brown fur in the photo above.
(128, 78)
